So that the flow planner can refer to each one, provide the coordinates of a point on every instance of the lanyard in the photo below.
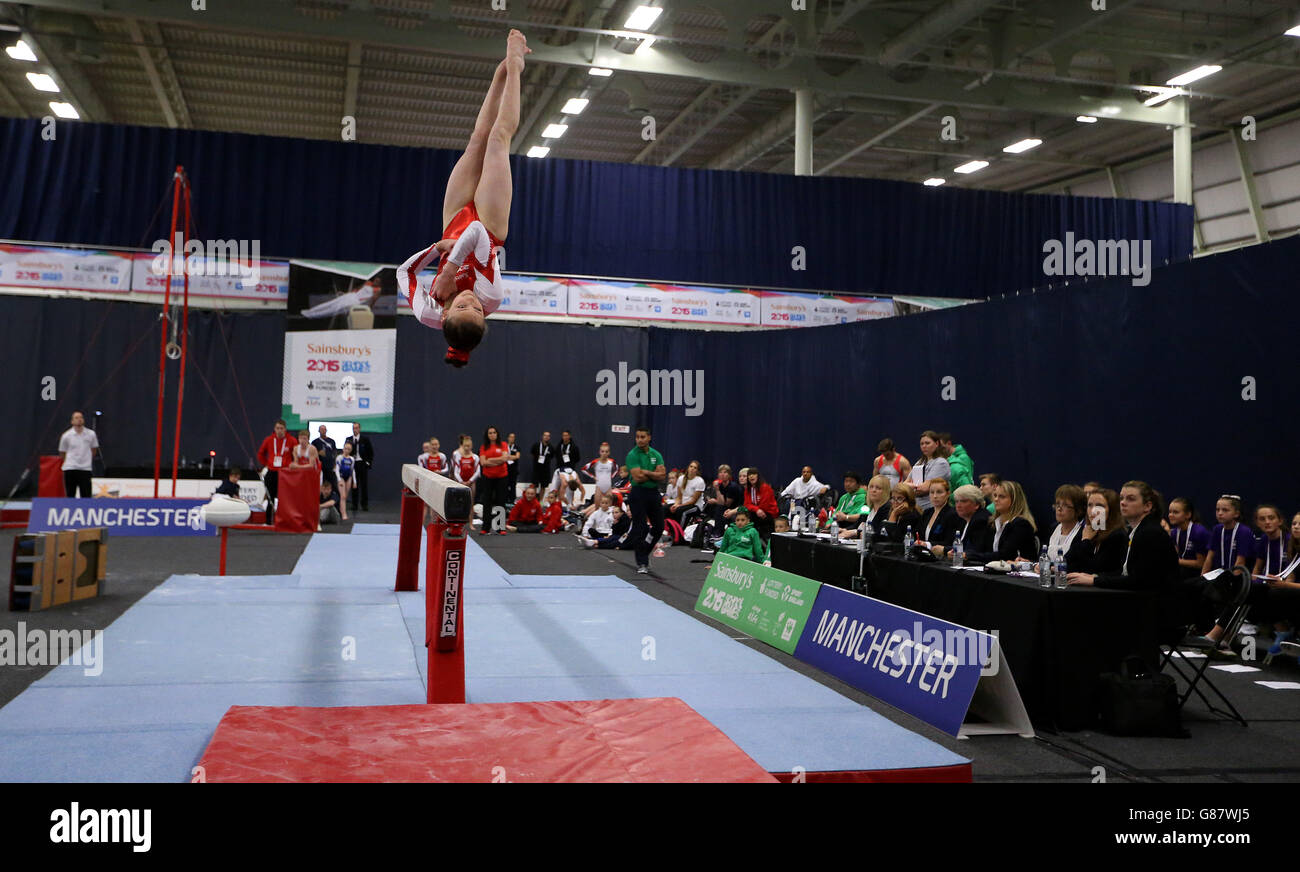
(1182, 548)
(1231, 549)
(1268, 554)
(279, 445)
(1131, 533)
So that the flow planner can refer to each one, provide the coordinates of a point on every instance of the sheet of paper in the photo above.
(1235, 667)
(1212, 575)
(1189, 655)
(1280, 685)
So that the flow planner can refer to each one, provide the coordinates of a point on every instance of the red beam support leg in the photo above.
(222, 570)
(444, 618)
(408, 546)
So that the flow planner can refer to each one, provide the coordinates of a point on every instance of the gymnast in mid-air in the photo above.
(476, 218)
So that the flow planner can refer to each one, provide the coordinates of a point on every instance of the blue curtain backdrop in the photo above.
(1098, 380)
(102, 184)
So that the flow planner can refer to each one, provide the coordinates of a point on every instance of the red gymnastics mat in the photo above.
(607, 740)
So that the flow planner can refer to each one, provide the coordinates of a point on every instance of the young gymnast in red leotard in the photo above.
(476, 215)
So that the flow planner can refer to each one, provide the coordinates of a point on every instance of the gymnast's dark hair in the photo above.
(463, 335)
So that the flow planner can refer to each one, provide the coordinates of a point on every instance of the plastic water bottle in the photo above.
(1044, 568)
(908, 539)
(795, 518)
(835, 528)
(958, 553)
(1061, 570)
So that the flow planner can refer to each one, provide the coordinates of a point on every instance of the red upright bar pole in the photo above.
(222, 570)
(185, 339)
(166, 320)
(444, 618)
(408, 545)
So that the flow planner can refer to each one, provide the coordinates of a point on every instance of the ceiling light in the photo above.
(42, 82)
(1085, 119)
(64, 110)
(20, 51)
(1022, 145)
(575, 106)
(1109, 110)
(1193, 75)
(1161, 96)
(933, 183)
(1295, 31)
(554, 131)
(599, 71)
(642, 18)
(538, 151)
(971, 167)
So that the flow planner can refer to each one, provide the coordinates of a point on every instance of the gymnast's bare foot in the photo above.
(517, 47)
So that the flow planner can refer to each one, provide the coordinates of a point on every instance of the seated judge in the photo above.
(1013, 533)
(939, 522)
(1150, 559)
(902, 514)
(874, 511)
(1100, 547)
(1070, 506)
(968, 528)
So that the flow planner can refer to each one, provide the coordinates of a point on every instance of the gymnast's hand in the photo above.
(444, 246)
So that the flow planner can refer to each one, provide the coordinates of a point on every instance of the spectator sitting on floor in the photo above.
(617, 537)
(600, 523)
(329, 503)
(959, 462)
(1013, 531)
(690, 495)
(742, 539)
(553, 518)
(526, 516)
(761, 502)
(721, 507)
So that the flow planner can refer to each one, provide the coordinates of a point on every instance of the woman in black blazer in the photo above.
(969, 521)
(1148, 560)
(939, 522)
(1012, 533)
(902, 514)
(1102, 550)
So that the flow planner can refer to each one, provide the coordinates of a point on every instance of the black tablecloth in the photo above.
(1056, 641)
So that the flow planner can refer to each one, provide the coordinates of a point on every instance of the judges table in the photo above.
(1056, 641)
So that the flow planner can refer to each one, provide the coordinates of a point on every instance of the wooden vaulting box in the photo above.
(53, 569)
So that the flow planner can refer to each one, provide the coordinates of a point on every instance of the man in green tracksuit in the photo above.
(742, 539)
(959, 462)
(852, 501)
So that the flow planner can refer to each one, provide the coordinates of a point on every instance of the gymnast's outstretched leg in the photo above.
(493, 194)
(464, 178)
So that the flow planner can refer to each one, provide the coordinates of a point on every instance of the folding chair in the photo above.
(1240, 582)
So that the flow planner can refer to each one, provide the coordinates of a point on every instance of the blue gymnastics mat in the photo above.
(335, 633)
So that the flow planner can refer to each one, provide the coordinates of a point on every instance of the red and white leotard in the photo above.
(475, 259)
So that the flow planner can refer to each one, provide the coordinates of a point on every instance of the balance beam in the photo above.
(444, 618)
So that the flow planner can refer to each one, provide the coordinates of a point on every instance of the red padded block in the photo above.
(297, 508)
(608, 740)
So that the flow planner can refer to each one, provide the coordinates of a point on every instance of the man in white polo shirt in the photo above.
(77, 448)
